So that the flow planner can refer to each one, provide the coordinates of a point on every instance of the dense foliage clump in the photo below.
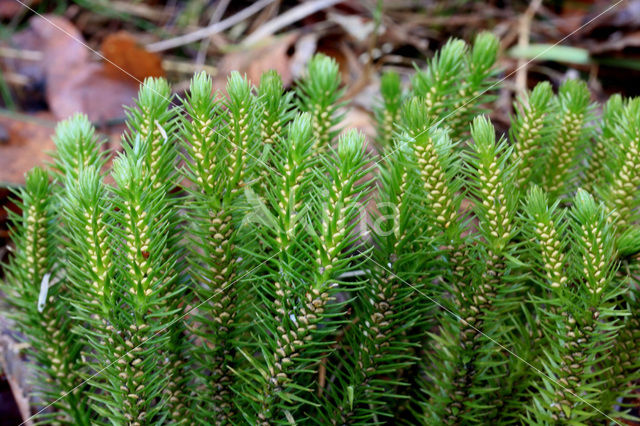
(244, 260)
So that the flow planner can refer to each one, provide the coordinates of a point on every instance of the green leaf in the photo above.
(548, 52)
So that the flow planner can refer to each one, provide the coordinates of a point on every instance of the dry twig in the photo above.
(210, 30)
(523, 43)
(289, 17)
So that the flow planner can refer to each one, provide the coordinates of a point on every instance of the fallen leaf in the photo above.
(61, 43)
(355, 118)
(73, 82)
(27, 145)
(551, 52)
(125, 59)
(356, 26)
(92, 91)
(331, 46)
(368, 97)
(304, 49)
(9, 8)
(274, 53)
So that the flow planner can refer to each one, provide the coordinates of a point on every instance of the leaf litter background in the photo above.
(62, 57)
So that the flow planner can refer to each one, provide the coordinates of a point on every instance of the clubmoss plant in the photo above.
(622, 194)
(77, 147)
(530, 130)
(583, 314)
(319, 92)
(437, 168)
(457, 81)
(296, 328)
(153, 122)
(569, 139)
(215, 142)
(276, 106)
(243, 260)
(146, 282)
(389, 329)
(93, 290)
(605, 144)
(478, 286)
(34, 285)
(438, 81)
(475, 89)
(276, 111)
(388, 112)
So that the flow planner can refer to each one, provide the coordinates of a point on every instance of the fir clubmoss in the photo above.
(530, 129)
(605, 144)
(622, 194)
(388, 113)
(568, 140)
(36, 287)
(211, 165)
(319, 92)
(252, 263)
(476, 87)
(435, 84)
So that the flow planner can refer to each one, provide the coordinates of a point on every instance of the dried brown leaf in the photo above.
(274, 53)
(73, 82)
(125, 59)
(26, 146)
(9, 8)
